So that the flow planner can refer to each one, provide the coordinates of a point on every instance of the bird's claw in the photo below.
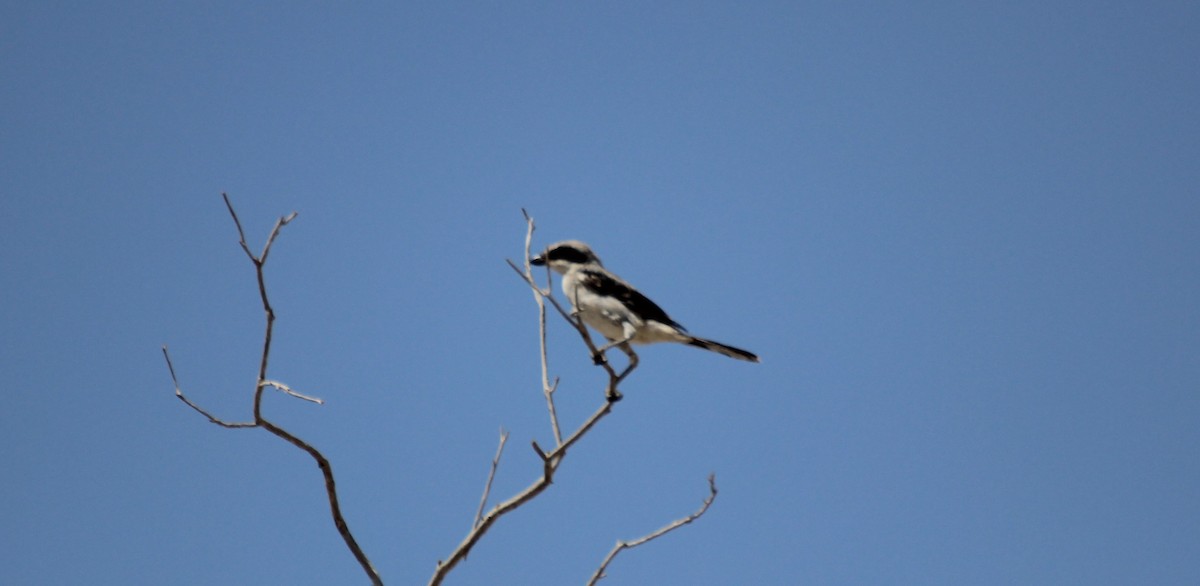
(598, 358)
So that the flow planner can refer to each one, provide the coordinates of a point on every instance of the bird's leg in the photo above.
(633, 362)
(629, 332)
(611, 393)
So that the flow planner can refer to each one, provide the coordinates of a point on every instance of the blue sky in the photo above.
(963, 238)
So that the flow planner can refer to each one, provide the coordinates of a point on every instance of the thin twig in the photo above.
(621, 545)
(539, 451)
(199, 409)
(487, 488)
(238, 223)
(288, 390)
(262, 383)
(547, 388)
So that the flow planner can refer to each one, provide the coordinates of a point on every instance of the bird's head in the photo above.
(561, 256)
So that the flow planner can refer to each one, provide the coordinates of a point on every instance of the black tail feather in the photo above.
(720, 348)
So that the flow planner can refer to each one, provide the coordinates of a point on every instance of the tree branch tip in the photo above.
(260, 421)
(541, 454)
(229, 205)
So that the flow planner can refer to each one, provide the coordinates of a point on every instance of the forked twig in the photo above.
(622, 545)
(550, 463)
(263, 382)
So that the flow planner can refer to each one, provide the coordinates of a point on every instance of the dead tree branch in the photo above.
(550, 463)
(263, 382)
(621, 545)
(552, 459)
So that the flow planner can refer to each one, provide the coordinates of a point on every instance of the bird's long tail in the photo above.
(720, 348)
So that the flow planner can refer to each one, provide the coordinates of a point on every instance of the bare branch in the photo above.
(604, 409)
(621, 545)
(550, 464)
(259, 264)
(238, 223)
(547, 388)
(331, 490)
(263, 382)
(286, 389)
(550, 460)
(539, 451)
(283, 221)
(487, 488)
(199, 409)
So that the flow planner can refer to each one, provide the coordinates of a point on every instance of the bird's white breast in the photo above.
(606, 314)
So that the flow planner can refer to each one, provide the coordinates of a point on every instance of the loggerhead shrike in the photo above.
(614, 308)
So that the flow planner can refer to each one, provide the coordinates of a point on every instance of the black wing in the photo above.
(605, 284)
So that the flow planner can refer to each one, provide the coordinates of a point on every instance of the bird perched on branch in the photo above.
(614, 308)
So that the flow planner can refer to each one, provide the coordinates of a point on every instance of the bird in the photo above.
(613, 307)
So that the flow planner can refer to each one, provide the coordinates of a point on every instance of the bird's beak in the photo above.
(538, 260)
